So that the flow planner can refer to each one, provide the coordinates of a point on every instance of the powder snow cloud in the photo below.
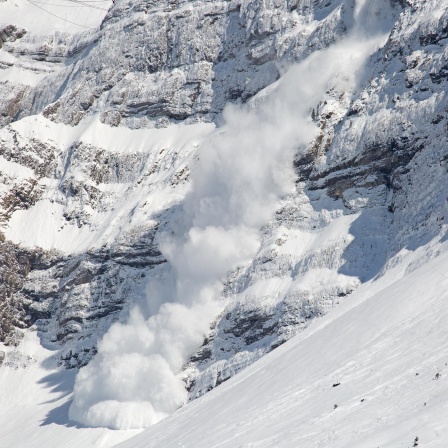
(243, 171)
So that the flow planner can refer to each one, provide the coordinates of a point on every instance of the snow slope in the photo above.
(162, 152)
(387, 346)
(42, 17)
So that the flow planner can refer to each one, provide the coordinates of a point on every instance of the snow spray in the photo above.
(243, 171)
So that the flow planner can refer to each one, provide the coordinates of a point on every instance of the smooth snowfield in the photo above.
(387, 346)
(34, 405)
(45, 17)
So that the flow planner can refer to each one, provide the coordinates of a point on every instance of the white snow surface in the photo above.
(43, 17)
(386, 347)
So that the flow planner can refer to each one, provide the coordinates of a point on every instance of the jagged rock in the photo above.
(166, 70)
(10, 33)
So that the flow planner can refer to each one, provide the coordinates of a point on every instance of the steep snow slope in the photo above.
(107, 165)
(242, 173)
(371, 373)
(97, 189)
(45, 17)
(380, 159)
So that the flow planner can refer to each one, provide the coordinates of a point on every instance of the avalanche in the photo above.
(241, 175)
(156, 244)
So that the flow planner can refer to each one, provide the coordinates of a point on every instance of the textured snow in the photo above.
(14, 169)
(18, 73)
(51, 230)
(387, 349)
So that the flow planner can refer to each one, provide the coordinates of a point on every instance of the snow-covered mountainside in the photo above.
(107, 111)
(372, 373)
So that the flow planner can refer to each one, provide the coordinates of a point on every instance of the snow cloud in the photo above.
(242, 172)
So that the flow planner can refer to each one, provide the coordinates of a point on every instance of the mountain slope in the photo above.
(102, 129)
(380, 357)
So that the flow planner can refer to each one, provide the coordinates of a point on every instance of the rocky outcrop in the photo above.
(10, 33)
(72, 301)
(165, 70)
(13, 313)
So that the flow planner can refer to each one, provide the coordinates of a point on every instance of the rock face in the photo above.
(13, 315)
(371, 185)
(73, 299)
(153, 63)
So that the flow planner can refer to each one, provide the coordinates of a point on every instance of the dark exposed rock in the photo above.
(10, 33)
(13, 315)
(440, 75)
(380, 161)
(49, 291)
